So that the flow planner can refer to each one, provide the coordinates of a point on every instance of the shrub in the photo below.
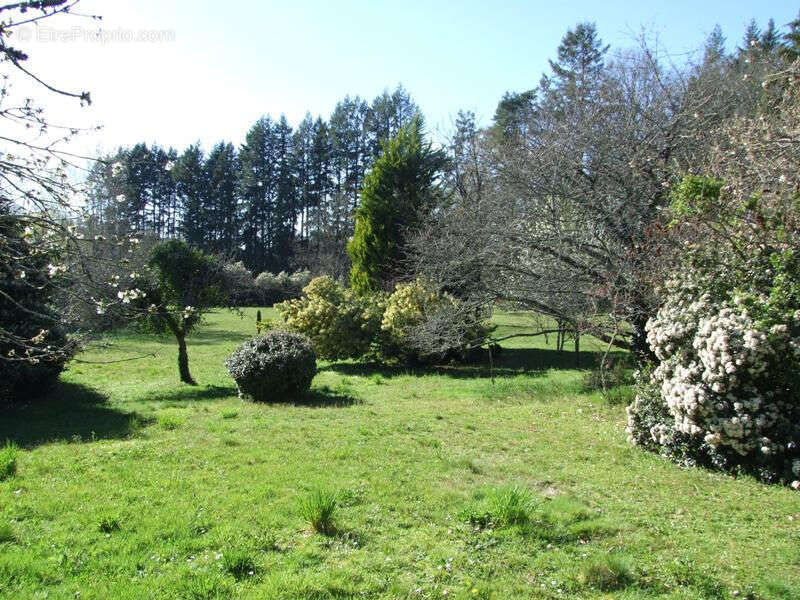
(274, 366)
(338, 322)
(727, 337)
(422, 324)
(8, 460)
(33, 346)
(319, 508)
(240, 284)
(274, 288)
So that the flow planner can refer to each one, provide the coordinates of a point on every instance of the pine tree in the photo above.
(751, 39)
(191, 187)
(578, 66)
(790, 49)
(256, 185)
(221, 169)
(285, 213)
(770, 39)
(387, 114)
(714, 52)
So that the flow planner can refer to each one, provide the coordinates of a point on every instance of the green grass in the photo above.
(205, 488)
(319, 510)
(8, 460)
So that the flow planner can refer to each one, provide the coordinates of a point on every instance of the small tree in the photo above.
(182, 285)
(403, 182)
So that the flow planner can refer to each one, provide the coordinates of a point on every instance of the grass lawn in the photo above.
(131, 485)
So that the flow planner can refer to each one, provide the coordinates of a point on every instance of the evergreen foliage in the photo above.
(403, 185)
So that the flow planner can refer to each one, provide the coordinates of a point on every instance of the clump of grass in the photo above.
(108, 525)
(502, 507)
(319, 509)
(511, 505)
(230, 414)
(169, 422)
(8, 460)
(206, 587)
(607, 574)
(239, 564)
(377, 379)
(7, 534)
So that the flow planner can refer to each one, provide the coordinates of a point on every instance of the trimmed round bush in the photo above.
(273, 367)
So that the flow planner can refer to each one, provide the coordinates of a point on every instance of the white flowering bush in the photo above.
(273, 367)
(726, 389)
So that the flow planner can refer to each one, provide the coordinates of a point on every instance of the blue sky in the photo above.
(217, 70)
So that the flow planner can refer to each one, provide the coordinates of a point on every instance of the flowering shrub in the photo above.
(340, 323)
(726, 390)
(276, 366)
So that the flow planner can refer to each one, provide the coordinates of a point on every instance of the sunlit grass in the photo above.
(132, 485)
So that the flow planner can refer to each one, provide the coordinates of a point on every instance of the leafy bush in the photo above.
(338, 322)
(33, 346)
(240, 284)
(275, 366)
(422, 324)
(726, 392)
(319, 508)
(612, 378)
(273, 288)
(8, 461)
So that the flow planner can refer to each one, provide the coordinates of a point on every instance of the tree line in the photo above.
(284, 199)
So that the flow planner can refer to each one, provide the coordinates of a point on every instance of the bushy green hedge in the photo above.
(273, 367)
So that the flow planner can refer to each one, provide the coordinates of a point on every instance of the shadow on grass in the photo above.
(189, 393)
(327, 397)
(510, 362)
(69, 412)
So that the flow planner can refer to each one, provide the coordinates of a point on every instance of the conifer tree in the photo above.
(403, 183)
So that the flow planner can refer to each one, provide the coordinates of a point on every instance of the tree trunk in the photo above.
(578, 349)
(183, 360)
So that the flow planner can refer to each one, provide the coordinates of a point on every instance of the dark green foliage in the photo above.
(191, 188)
(34, 348)
(402, 185)
(273, 367)
(8, 461)
(183, 284)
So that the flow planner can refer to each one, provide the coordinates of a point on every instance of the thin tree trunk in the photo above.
(578, 349)
(183, 360)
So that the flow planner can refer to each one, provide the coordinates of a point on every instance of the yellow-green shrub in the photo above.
(340, 323)
(420, 323)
